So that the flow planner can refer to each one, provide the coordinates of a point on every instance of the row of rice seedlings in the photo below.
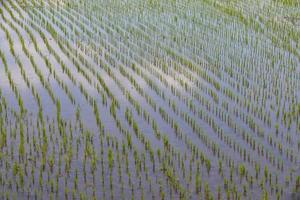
(105, 87)
(27, 53)
(10, 79)
(56, 57)
(46, 60)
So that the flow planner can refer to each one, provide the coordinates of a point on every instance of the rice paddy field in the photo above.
(150, 99)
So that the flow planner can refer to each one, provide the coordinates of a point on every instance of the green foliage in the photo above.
(289, 2)
(242, 170)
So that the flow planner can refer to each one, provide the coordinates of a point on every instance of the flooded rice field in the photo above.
(150, 99)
